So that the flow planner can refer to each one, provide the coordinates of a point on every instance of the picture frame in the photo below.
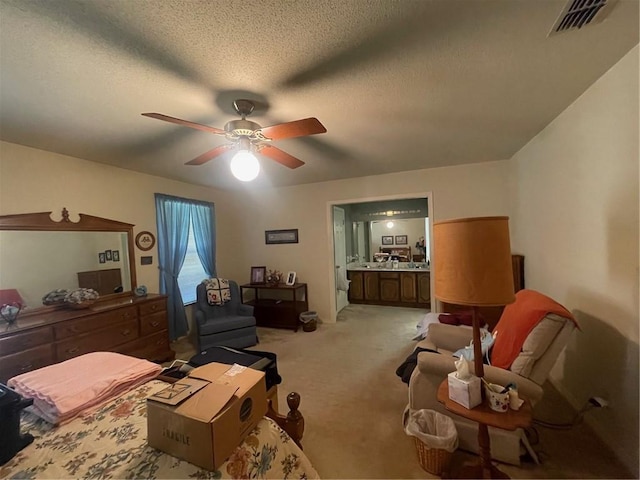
(272, 237)
(291, 278)
(101, 257)
(115, 255)
(258, 275)
(402, 240)
(145, 240)
(387, 240)
(107, 255)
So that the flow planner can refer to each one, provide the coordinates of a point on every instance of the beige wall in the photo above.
(34, 180)
(575, 218)
(470, 190)
(37, 181)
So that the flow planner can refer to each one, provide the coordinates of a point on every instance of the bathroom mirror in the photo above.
(38, 255)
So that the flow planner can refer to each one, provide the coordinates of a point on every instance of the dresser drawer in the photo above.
(101, 340)
(22, 341)
(71, 328)
(154, 347)
(150, 324)
(152, 307)
(12, 365)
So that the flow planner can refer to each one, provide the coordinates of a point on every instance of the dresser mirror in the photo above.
(39, 255)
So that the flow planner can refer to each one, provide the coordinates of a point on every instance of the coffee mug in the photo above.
(498, 401)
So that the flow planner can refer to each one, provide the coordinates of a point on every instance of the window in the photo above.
(192, 272)
(186, 253)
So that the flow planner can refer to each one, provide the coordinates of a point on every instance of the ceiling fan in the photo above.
(247, 136)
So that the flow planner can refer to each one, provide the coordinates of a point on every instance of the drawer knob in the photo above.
(126, 332)
(155, 324)
(25, 367)
(73, 350)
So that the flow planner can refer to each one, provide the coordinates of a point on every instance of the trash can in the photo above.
(435, 437)
(309, 321)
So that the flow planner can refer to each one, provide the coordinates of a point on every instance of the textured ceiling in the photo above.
(399, 85)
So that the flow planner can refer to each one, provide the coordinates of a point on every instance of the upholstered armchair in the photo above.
(528, 371)
(231, 324)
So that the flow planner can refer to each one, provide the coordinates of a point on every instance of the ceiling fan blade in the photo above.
(210, 155)
(280, 156)
(185, 123)
(297, 128)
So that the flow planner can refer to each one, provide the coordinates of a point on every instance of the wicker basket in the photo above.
(310, 326)
(433, 460)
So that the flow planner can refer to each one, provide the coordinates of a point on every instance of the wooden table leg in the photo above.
(483, 469)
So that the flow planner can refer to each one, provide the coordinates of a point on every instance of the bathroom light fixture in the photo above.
(244, 164)
(389, 224)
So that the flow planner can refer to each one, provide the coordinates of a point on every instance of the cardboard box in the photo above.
(465, 392)
(203, 417)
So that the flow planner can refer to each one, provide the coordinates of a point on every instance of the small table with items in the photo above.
(277, 306)
(509, 420)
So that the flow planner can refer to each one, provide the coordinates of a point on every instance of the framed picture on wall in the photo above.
(107, 255)
(387, 240)
(281, 236)
(101, 258)
(402, 240)
(115, 254)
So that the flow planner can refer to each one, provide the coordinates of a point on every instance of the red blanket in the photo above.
(517, 321)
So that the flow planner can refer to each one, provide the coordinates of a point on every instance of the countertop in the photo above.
(403, 267)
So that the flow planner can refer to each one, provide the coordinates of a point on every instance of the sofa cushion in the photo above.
(537, 343)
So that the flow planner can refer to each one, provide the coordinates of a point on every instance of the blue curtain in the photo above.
(203, 219)
(172, 218)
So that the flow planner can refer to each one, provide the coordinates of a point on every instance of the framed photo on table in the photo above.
(291, 278)
(258, 275)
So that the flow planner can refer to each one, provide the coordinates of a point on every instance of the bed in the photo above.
(109, 441)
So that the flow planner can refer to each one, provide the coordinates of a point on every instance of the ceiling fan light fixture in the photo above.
(245, 166)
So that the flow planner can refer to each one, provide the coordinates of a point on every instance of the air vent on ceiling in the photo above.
(579, 13)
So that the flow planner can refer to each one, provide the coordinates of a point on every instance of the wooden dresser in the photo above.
(135, 326)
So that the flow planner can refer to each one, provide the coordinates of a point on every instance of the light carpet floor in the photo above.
(353, 401)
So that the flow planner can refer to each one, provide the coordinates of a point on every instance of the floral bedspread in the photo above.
(110, 442)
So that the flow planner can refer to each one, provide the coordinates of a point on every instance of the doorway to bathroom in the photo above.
(379, 234)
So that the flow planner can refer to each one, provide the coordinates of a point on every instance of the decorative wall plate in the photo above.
(145, 241)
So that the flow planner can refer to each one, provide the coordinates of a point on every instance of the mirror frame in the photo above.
(87, 223)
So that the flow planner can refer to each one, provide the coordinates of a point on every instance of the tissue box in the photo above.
(465, 392)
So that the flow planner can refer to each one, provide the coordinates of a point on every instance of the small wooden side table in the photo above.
(509, 420)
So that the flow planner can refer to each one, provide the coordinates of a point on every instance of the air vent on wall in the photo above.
(579, 13)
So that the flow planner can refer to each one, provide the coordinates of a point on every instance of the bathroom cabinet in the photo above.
(390, 287)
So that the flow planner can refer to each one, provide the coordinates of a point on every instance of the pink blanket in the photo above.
(62, 391)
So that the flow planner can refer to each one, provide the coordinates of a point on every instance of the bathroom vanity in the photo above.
(402, 287)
